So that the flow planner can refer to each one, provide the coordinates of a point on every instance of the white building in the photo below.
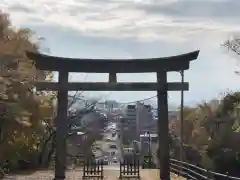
(148, 142)
(100, 105)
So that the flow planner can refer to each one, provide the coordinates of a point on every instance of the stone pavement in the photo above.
(109, 174)
(70, 175)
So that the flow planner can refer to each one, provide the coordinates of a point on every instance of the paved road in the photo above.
(112, 167)
(109, 153)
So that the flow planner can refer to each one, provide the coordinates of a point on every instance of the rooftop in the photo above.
(146, 135)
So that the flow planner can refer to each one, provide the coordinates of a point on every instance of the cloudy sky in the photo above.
(139, 28)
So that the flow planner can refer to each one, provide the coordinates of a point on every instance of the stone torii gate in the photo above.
(112, 66)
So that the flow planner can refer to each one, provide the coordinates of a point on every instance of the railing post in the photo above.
(84, 169)
(131, 168)
(120, 177)
(209, 175)
(180, 169)
(227, 175)
(138, 170)
(101, 169)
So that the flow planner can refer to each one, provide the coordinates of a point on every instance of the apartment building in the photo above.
(145, 122)
(137, 119)
(129, 125)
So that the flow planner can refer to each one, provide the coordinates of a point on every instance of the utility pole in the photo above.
(181, 118)
(149, 150)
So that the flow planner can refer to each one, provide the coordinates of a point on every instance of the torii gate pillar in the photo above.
(163, 141)
(61, 124)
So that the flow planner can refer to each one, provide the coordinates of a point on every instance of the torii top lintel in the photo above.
(53, 63)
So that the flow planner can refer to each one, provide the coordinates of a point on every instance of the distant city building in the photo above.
(173, 115)
(137, 119)
(128, 125)
(100, 105)
(111, 105)
(3, 64)
(145, 119)
(148, 142)
(146, 138)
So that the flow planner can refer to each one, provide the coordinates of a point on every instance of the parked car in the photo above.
(97, 147)
(113, 146)
(115, 160)
(105, 161)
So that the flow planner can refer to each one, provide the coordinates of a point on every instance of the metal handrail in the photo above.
(191, 171)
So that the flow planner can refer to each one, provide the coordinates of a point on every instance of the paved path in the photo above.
(112, 167)
(110, 173)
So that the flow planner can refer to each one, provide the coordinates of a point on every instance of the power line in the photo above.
(130, 102)
(138, 100)
(126, 103)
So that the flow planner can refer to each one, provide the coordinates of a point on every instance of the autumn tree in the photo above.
(21, 109)
(84, 120)
(26, 116)
(211, 137)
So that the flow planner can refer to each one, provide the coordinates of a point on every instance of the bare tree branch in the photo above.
(233, 44)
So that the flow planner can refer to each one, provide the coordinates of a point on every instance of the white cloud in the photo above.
(184, 24)
(170, 20)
